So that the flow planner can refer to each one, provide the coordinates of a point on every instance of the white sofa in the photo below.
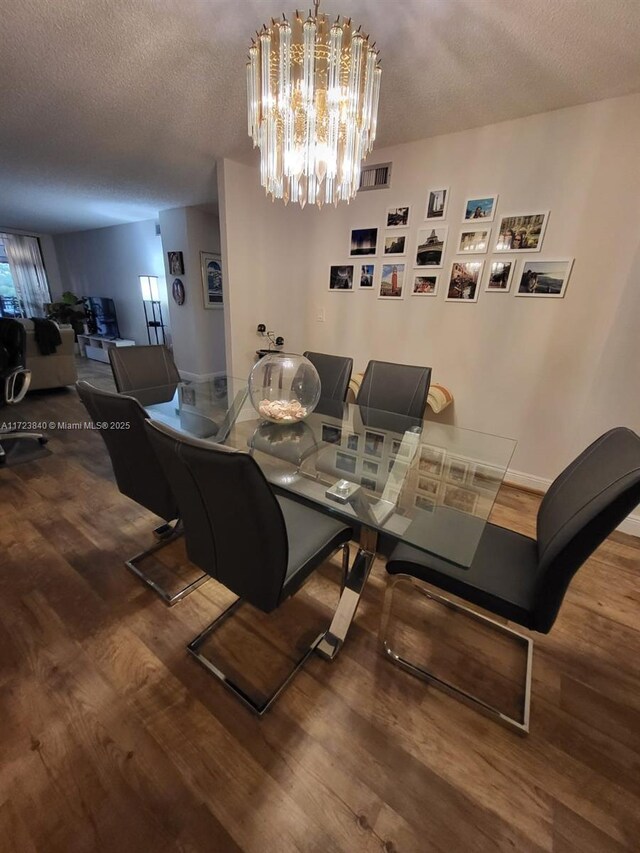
(55, 370)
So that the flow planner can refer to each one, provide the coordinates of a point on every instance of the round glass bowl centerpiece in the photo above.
(284, 388)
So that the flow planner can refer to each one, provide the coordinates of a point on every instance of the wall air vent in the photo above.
(375, 177)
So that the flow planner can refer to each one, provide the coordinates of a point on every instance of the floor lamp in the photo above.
(149, 288)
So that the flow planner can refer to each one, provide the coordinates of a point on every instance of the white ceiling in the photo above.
(111, 110)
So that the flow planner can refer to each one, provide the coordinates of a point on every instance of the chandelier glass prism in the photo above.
(313, 85)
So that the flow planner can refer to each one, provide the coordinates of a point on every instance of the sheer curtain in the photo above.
(27, 272)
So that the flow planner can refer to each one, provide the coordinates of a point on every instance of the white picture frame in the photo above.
(367, 272)
(496, 262)
(437, 250)
(212, 280)
(480, 208)
(337, 278)
(398, 217)
(511, 227)
(470, 284)
(563, 266)
(436, 205)
(477, 244)
(395, 245)
(420, 281)
(363, 234)
(386, 281)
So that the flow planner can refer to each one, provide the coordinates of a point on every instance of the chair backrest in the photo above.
(229, 511)
(399, 388)
(138, 472)
(334, 372)
(14, 378)
(581, 508)
(143, 371)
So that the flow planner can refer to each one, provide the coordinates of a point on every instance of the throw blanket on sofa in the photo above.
(47, 335)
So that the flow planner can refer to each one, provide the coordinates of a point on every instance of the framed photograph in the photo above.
(474, 242)
(457, 470)
(521, 233)
(437, 201)
(367, 483)
(373, 444)
(398, 217)
(392, 281)
(460, 499)
(398, 466)
(331, 434)
(352, 442)
(396, 244)
(544, 278)
(425, 285)
(369, 467)
(430, 246)
(480, 207)
(211, 269)
(176, 263)
(346, 462)
(341, 278)
(431, 460)
(500, 275)
(426, 484)
(364, 241)
(424, 503)
(465, 281)
(367, 271)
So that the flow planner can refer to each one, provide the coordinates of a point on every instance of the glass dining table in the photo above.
(393, 478)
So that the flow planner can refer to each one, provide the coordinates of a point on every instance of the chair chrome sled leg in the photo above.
(521, 726)
(258, 708)
(169, 535)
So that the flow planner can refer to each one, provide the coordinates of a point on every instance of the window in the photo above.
(24, 290)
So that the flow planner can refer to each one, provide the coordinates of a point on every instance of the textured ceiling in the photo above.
(111, 110)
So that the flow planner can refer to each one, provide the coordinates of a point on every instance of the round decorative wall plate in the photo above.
(177, 291)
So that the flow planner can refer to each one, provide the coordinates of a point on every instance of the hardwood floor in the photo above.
(113, 739)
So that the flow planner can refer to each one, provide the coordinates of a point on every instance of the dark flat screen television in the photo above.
(104, 313)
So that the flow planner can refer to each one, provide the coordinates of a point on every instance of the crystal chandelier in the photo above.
(313, 88)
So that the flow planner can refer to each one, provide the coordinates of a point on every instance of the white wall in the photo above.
(107, 262)
(552, 373)
(198, 332)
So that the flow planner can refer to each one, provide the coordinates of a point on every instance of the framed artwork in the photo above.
(522, 232)
(367, 271)
(431, 460)
(460, 499)
(464, 281)
(178, 291)
(544, 278)
(364, 241)
(392, 281)
(398, 217)
(480, 207)
(474, 242)
(176, 263)
(366, 483)
(430, 246)
(352, 442)
(428, 485)
(500, 275)
(425, 285)
(341, 277)
(485, 477)
(346, 462)
(211, 268)
(398, 448)
(395, 245)
(369, 467)
(437, 201)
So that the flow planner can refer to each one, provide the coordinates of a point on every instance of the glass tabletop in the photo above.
(430, 485)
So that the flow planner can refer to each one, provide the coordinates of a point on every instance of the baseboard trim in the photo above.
(630, 525)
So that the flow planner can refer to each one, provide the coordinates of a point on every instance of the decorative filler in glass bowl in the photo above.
(284, 388)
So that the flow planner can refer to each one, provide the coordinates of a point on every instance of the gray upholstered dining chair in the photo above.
(334, 372)
(524, 580)
(138, 474)
(147, 373)
(260, 546)
(398, 388)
